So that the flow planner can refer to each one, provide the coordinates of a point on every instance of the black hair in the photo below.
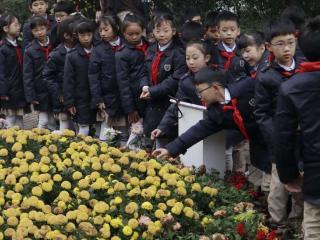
(66, 27)
(132, 18)
(37, 21)
(84, 26)
(203, 46)
(165, 17)
(5, 20)
(64, 6)
(211, 19)
(111, 19)
(190, 13)
(250, 39)
(210, 76)
(191, 31)
(278, 27)
(32, 1)
(309, 39)
(227, 16)
(295, 14)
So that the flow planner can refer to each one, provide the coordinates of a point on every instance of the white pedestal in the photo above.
(209, 152)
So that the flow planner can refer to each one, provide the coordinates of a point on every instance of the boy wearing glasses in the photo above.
(281, 42)
(229, 106)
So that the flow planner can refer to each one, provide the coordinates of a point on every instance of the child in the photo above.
(76, 90)
(211, 28)
(102, 76)
(13, 103)
(165, 62)
(54, 71)
(35, 58)
(38, 8)
(253, 51)
(298, 107)
(228, 107)
(281, 42)
(130, 68)
(62, 11)
(197, 58)
(226, 55)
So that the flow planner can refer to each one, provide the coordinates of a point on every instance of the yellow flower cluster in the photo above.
(67, 187)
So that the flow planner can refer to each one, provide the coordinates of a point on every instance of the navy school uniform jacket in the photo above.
(170, 69)
(235, 67)
(268, 81)
(299, 105)
(27, 33)
(217, 120)
(35, 88)
(76, 90)
(186, 93)
(131, 71)
(11, 82)
(103, 78)
(53, 74)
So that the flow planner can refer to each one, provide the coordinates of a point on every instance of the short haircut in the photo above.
(37, 21)
(32, 1)
(132, 18)
(190, 13)
(111, 19)
(191, 31)
(227, 16)
(211, 19)
(66, 27)
(84, 26)
(210, 76)
(295, 14)
(250, 39)
(309, 39)
(64, 6)
(279, 27)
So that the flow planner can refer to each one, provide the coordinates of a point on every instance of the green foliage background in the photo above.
(252, 12)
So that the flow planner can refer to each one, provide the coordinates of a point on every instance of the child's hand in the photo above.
(61, 100)
(160, 153)
(101, 106)
(133, 117)
(155, 133)
(4, 98)
(72, 110)
(35, 102)
(145, 95)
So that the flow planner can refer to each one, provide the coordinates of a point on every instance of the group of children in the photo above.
(121, 74)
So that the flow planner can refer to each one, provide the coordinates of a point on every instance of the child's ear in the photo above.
(268, 46)
(5, 29)
(262, 48)
(207, 58)
(239, 31)
(174, 31)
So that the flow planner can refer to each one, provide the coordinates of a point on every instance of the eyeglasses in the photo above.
(202, 90)
(290, 44)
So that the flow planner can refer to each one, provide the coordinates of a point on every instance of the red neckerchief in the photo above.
(143, 48)
(288, 74)
(115, 48)
(155, 67)
(228, 56)
(19, 55)
(308, 67)
(46, 50)
(253, 74)
(237, 118)
(271, 58)
(88, 55)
